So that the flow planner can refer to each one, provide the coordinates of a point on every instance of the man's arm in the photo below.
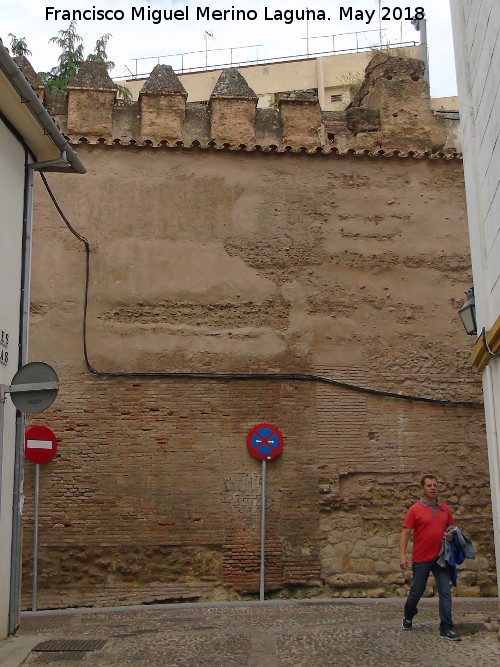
(403, 546)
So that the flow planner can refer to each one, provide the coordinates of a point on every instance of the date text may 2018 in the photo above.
(386, 14)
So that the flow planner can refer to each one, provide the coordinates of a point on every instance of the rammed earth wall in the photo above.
(220, 261)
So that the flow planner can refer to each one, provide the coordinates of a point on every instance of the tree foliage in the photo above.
(70, 59)
(100, 51)
(18, 46)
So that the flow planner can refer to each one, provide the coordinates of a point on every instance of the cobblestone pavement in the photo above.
(318, 633)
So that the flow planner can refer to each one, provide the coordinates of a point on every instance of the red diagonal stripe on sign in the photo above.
(265, 440)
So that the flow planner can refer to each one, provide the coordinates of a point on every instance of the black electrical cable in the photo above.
(229, 376)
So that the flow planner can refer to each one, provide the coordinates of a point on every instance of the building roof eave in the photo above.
(20, 105)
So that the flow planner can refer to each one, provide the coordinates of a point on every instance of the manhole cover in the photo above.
(50, 645)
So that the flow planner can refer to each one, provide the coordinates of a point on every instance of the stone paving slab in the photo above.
(272, 634)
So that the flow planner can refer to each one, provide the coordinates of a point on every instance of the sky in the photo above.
(264, 29)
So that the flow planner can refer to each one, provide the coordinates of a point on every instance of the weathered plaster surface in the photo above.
(348, 267)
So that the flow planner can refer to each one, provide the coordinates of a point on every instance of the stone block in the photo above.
(382, 567)
(90, 112)
(462, 590)
(361, 566)
(377, 541)
(301, 120)
(359, 549)
(353, 579)
(346, 562)
(375, 593)
(232, 121)
(162, 116)
(362, 119)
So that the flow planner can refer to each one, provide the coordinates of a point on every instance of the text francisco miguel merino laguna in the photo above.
(146, 13)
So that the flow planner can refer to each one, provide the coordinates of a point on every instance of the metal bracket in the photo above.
(49, 163)
(34, 386)
(487, 347)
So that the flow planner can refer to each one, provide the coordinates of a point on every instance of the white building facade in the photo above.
(476, 34)
(12, 157)
(29, 141)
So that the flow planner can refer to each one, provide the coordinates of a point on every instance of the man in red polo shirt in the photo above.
(429, 519)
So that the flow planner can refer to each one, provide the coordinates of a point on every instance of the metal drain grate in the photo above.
(53, 645)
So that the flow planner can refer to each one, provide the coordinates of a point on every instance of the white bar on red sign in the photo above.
(39, 444)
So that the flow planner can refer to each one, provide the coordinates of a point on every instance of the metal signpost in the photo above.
(40, 446)
(33, 388)
(265, 442)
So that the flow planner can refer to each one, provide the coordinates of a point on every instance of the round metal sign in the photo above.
(40, 444)
(264, 441)
(31, 401)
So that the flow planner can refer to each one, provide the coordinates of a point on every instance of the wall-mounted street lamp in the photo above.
(468, 313)
(468, 316)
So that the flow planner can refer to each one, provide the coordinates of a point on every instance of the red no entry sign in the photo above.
(40, 444)
(264, 441)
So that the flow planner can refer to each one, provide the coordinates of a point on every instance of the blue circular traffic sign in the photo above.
(264, 441)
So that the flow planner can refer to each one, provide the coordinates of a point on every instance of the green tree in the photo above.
(100, 51)
(72, 57)
(18, 46)
(69, 61)
(101, 55)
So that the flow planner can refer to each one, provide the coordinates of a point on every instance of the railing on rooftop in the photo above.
(181, 67)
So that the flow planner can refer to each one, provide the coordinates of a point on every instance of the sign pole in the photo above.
(2, 419)
(265, 442)
(35, 538)
(40, 446)
(263, 533)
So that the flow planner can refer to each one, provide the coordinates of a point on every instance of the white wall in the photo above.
(476, 35)
(476, 27)
(11, 226)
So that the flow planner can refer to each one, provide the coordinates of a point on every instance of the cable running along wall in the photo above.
(227, 377)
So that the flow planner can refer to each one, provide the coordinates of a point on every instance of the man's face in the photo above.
(430, 489)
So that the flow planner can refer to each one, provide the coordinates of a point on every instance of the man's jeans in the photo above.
(421, 573)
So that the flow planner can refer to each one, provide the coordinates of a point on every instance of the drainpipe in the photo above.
(421, 26)
(320, 82)
(424, 53)
(18, 497)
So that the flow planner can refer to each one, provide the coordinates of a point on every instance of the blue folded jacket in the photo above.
(454, 552)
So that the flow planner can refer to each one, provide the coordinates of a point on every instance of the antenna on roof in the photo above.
(206, 35)
(379, 23)
(307, 30)
(420, 24)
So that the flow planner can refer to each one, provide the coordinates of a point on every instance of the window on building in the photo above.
(336, 98)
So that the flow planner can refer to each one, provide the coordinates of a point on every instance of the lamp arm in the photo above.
(485, 342)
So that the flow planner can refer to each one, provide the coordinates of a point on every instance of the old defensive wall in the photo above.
(221, 266)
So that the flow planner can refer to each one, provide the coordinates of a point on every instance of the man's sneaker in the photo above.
(406, 624)
(450, 635)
